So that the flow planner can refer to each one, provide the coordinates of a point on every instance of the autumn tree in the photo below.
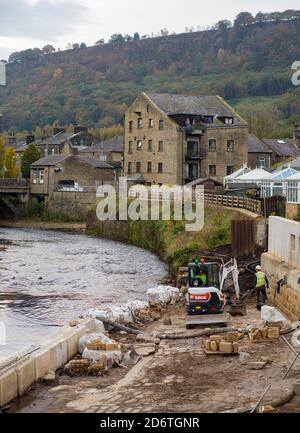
(47, 49)
(244, 19)
(223, 25)
(11, 169)
(30, 155)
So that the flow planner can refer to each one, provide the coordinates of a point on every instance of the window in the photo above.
(139, 145)
(192, 149)
(140, 123)
(138, 167)
(193, 171)
(149, 167)
(150, 145)
(212, 170)
(160, 146)
(103, 157)
(207, 119)
(261, 162)
(160, 167)
(212, 145)
(227, 120)
(230, 146)
(130, 147)
(151, 123)
(41, 175)
(130, 126)
(229, 170)
(161, 125)
(129, 167)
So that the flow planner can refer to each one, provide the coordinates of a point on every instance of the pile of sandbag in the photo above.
(273, 318)
(162, 295)
(100, 349)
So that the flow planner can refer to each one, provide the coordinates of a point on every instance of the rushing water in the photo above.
(48, 278)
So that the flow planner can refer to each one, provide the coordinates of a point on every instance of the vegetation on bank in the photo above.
(94, 86)
(168, 239)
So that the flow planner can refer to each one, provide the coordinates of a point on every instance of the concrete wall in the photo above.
(283, 262)
(16, 379)
(292, 210)
(75, 205)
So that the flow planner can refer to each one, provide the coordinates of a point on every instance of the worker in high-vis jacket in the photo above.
(261, 284)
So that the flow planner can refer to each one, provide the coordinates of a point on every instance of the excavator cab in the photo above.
(204, 295)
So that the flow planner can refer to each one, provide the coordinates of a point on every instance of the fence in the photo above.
(14, 182)
(243, 238)
(249, 204)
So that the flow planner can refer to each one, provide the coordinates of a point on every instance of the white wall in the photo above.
(284, 240)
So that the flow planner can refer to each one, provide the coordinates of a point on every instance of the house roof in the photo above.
(94, 162)
(255, 145)
(282, 148)
(283, 174)
(114, 144)
(294, 177)
(53, 160)
(207, 105)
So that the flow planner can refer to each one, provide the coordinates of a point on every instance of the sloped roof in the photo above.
(240, 172)
(255, 145)
(206, 105)
(296, 176)
(282, 148)
(257, 174)
(53, 160)
(283, 174)
(114, 144)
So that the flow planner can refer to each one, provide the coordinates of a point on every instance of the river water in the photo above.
(48, 278)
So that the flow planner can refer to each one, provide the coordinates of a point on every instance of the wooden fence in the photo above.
(249, 204)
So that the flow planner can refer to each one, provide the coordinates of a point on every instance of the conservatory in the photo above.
(233, 176)
(293, 189)
(276, 183)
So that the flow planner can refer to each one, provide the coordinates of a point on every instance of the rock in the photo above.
(73, 323)
(273, 333)
(297, 387)
(145, 350)
(266, 359)
(257, 365)
(49, 378)
(235, 347)
(167, 320)
(213, 346)
(266, 409)
(244, 358)
(216, 338)
(231, 337)
(146, 338)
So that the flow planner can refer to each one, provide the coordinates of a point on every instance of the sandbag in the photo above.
(162, 295)
(94, 339)
(107, 359)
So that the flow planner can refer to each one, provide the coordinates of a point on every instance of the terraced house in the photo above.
(176, 139)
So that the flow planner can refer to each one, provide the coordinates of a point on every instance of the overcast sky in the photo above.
(34, 23)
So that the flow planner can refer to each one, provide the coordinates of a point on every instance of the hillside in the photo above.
(94, 85)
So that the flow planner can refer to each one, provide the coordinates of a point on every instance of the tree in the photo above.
(2, 153)
(244, 19)
(116, 37)
(136, 37)
(76, 46)
(127, 38)
(100, 42)
(260, 17)
(48, 49)
(30, 155)
(223, 25)
(11, 169)
(83, 45)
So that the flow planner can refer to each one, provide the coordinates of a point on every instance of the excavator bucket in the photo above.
(237, 309)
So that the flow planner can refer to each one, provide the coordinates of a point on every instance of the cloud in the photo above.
(41, 20)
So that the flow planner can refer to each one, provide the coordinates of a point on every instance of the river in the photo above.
(48, 278)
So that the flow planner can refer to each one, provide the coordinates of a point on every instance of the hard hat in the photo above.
(258, 268)
(197, 261)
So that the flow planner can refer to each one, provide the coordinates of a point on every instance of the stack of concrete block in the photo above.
(266, 333)
(287, 301)
(217, 344)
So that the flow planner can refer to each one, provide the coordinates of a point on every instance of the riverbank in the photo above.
(45, 225)
(178, 377)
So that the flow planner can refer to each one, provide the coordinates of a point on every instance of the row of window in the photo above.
(138, 167)
(151, 124)
(212, 169)
(212, 145)
(139, 145)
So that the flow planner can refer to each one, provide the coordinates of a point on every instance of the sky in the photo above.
(35, 23)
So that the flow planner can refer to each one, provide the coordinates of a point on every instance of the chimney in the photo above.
(297, 135)
(11, 139)
(58, 129)
(30, 138)
(78, 128)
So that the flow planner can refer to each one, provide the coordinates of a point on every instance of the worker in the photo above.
(261, 285)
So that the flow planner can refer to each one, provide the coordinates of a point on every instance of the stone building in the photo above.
(68, 183)
(110, 151)
(176, 139)
(259, 154)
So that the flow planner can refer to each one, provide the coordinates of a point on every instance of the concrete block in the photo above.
(207, 345)
(26, 376)
(235, 347)
(44, 361)
(226, 347)
(61, 354)
(216, 338)
(213, 346)
(8, 387)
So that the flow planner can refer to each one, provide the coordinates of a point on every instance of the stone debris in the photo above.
(266, 333)
(147, 338)
(49, 378)
(167, 321)
(84, 367)
(266, 409)
(145, 349)
(244, 358)
(219, 344)
(256, 365)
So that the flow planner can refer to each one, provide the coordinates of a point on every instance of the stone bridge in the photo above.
(14, 193)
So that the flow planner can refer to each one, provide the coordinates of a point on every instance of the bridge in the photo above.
(14, 193)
